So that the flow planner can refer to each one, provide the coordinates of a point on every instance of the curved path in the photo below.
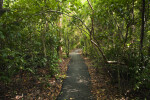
(77, 84)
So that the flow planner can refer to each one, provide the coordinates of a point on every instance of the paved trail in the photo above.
(77, 84)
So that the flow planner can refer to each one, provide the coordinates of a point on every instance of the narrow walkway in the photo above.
(77, 84)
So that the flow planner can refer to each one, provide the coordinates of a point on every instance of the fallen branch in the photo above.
(115, 62)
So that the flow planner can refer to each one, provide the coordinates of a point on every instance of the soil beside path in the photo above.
(77, 85)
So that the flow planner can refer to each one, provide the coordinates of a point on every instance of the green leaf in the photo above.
(30, 70)
(1, 35)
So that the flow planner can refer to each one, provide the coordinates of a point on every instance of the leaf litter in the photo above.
(101, 87)
(27, 86)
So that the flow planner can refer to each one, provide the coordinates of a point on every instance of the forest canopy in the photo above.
(114, 33)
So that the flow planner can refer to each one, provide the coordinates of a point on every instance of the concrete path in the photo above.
(77, 84)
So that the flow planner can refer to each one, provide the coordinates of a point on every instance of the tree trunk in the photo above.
(1, 8)
(43, 43)
(133, 26)
(142, 31)
(127, 32)
(1, 4)
(132, 12)
(68, 47)
(2, 11)
(43, 39)
(85, 44)
(149, 51)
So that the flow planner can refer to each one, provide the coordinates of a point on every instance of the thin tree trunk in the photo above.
(149, 51)
(127, 32)
(1, 8)
(127, 27)
(43, 39)
(2, 11)
(132, 12)
(142, 31)
(85, 44)
(148, 28)
(1, 4)
(68, 47)
(133, 26)
(44, 45)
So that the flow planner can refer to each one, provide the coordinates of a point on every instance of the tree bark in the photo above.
(1, 4)
(44, 45)
(45, 29)
(142, 31)
(1, 8)
(68, 47)
(2, 11)
(127, 32)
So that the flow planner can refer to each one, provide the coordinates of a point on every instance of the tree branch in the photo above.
(92, 41)
(90, 5)
(70, 16)
(105, 59)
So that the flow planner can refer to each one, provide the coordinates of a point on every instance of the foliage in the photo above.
(116, 28)
(27, 40)
(34, 33)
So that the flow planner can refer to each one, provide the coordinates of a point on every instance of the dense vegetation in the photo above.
(114, 33)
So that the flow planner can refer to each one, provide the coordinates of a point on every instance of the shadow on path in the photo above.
(77, 84)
